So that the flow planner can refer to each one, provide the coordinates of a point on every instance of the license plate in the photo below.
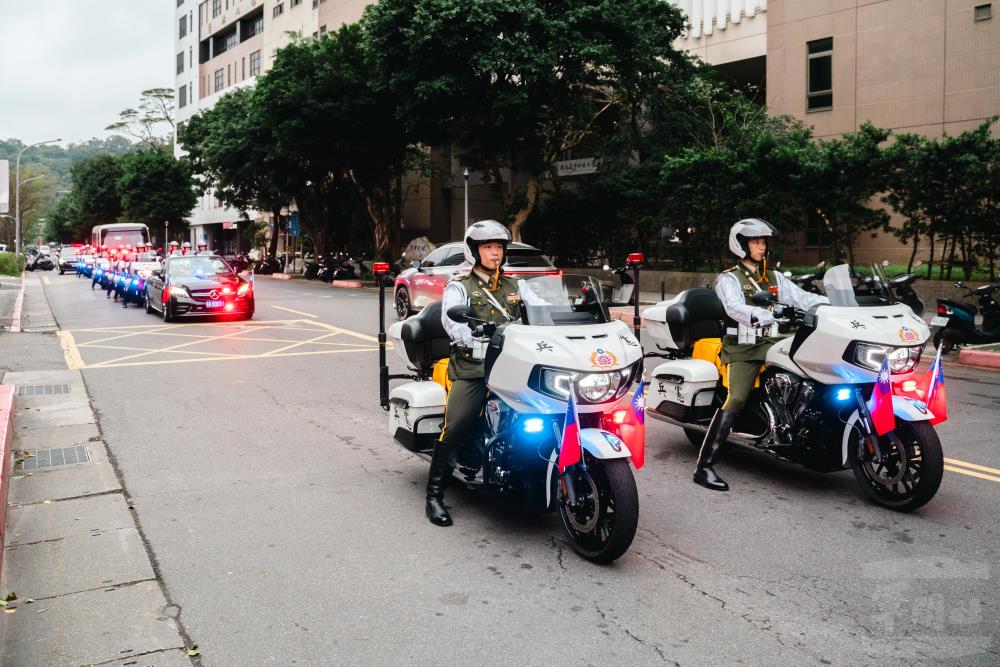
(939, 321)
(214, 304)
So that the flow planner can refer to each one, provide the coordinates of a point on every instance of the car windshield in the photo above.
(198, 267)
(67, 252)
(554, 300)
(857, 285)
(121, 237)
(518, 257)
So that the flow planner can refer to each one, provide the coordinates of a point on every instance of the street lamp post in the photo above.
(17, 196)
(465, 174)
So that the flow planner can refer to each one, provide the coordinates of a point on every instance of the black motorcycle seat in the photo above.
(985, 289)
(804, 278)
(424, 337)
(697, 313)
(902, 279)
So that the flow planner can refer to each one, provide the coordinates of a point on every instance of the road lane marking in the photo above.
(963, 464)
(125, 335)
(45, 279)
(180, 325)
(148, 349)
(71, 353)
(168, 349)
(972, 473)
(299, 344)
(356, 334)
(237, 358)
(292, 310)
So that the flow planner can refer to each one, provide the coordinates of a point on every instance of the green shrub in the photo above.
(8, 267)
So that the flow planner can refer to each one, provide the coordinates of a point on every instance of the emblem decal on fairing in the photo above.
(613, 440)
(603, 358)
(908, 335)
(628, 340)
(542, 346)
(858, 325)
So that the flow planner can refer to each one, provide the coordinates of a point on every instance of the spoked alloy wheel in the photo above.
(402, 304)
(601, 525)
(910, 472)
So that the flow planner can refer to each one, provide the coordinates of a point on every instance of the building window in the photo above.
(182, 97)
(216, 8)
(190, 56)
(255, 26)
(315, 4)
(294, 3)
(322, 30)
(255, 63)
(180, 62)
(278, 9)
(984, 12)
(183, 26)
(819, 75)
(180, 2)
(220, 79)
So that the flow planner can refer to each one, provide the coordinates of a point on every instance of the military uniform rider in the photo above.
(493, 298)
(174, 250)
(750, 332)
(186, 248)
(203, 248)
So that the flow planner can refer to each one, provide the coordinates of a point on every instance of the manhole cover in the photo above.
(50, 458)
(42, 389)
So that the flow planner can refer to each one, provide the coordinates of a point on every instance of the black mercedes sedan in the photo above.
(198, 285)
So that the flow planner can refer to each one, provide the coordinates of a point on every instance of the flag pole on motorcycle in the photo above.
(381, 271)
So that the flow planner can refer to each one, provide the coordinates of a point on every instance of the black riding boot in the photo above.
(437, 479)
(718, 431)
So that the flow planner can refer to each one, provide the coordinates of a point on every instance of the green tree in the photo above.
(63, 221)
(155, 187)
(154, 113)
(516, 84)
(95, 190)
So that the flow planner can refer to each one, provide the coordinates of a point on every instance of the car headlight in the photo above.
(901, 359)
(179, 291)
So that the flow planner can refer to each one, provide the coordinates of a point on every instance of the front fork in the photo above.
(868, 428)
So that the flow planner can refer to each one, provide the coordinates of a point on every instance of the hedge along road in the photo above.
(288, 526)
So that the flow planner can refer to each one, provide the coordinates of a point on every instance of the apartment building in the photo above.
(916, 66)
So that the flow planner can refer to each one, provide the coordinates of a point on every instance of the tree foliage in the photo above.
(516, 84)
(155, 110)
(154, 187)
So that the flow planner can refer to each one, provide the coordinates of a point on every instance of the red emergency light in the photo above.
(380, 268)
(635, 258)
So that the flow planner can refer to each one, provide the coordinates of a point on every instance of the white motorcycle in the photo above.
(569, 344)
(811, 405)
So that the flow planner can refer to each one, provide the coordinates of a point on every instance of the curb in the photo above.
(347, 284)
(15, 318)
(281, 276)
(980, 358)
(6, 456)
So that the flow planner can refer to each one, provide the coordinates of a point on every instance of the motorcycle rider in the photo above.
(203, 248)
(186, 248)
(750, 332)
(174, 249)
(494, 298)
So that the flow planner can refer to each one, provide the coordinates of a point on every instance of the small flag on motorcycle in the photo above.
(633, 426)
(932, 387)
(880, 405)
(569, 449)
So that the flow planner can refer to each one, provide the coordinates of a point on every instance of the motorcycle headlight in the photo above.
(557, 383)
(598, 387)
(901, 359)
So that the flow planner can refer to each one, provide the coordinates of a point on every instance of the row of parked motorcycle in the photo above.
(954, 322)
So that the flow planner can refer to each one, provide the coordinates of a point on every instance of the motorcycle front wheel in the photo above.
(601, 525)
(910, 472)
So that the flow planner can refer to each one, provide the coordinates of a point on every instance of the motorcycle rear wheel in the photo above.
(911, 471)
(942, 343)
(602, 525)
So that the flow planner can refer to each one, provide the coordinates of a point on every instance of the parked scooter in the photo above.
(811, 406)
(807, 281)
(957, 321)
(532, 365)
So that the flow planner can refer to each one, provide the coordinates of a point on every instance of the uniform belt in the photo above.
(759, 331)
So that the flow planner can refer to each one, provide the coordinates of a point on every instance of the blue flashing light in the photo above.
(533, 425)
(135, 282)
(843, 394)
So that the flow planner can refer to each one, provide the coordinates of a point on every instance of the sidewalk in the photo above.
(87, 591)
(9, 288)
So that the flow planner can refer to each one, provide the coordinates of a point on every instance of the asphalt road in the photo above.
(290, 529)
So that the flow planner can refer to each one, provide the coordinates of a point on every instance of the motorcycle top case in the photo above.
(681, 384)
(416, 414)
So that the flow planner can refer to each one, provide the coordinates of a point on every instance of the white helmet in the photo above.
(746, 229)
(485, 231)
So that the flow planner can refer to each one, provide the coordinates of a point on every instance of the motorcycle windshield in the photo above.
(563, 300)
(857, 285)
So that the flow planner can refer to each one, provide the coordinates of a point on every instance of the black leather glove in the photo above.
(484, 330)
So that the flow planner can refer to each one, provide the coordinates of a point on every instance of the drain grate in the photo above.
(51, 458)
(42, 389)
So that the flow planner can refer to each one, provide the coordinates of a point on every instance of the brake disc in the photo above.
(588, 499)
(896, 454)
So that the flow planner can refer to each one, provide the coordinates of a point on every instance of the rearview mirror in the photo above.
(762, 299)
(415, 264)
(460, 313)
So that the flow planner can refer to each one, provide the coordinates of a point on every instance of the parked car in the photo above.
(67, 258)
(198, 285)
(424, 283)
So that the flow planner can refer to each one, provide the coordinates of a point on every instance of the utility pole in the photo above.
(465, 174)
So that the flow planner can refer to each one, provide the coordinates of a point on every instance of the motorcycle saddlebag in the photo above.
(416, 414)
(683, 387)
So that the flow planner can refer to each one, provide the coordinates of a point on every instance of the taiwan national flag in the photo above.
(569, 450)
(880, 405)
(931, 387)
(633, 426)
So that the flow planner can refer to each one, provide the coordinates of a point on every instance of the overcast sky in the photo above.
(67, 67)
